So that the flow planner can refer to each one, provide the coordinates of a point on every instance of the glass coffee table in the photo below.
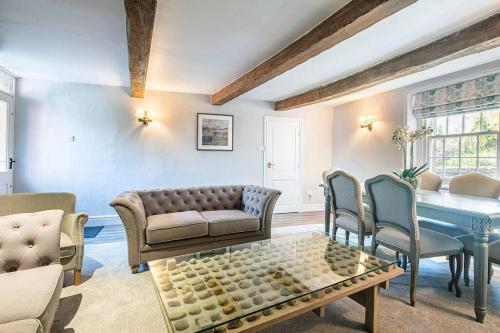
(251, 286)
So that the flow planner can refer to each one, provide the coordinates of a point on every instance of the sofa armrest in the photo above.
(131, 210)
(260, 201)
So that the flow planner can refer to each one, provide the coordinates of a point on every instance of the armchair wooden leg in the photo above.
(405, 262)
(413, 284)
(451, 261)
(466, 269)
(347, 234)
(134, 269)
(78, 277)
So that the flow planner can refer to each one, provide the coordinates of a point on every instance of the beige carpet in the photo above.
(110, 299)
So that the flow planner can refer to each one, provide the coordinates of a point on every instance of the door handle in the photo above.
(270, 165)
(11, 163)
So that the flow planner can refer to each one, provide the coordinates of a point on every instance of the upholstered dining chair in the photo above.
(71, 242)
(474, 184)
(396, 227)
(347, 206)
(430, 181)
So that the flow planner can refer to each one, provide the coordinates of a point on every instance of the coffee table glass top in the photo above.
(228, 284)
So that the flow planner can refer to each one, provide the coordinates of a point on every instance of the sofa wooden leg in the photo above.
(134, 269)
(77, 279)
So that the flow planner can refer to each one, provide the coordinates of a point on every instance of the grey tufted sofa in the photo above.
(170, 222)
(31, 277)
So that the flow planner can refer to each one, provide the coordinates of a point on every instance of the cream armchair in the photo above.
(71, 244)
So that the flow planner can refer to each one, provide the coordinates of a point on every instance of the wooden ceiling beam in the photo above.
(476, 38)
(140, 22)
(354, 17)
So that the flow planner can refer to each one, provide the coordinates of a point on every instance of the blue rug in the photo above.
(91, 232)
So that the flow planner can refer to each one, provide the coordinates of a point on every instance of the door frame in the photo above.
(10, 99)
(301, 153)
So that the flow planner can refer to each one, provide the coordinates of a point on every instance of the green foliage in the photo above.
(413, 172)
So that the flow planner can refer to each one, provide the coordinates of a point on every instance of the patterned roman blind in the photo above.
(473, 95)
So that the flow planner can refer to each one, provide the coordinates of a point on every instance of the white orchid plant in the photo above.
(403, 138)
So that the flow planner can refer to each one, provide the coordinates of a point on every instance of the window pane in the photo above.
(488, 166)
(472, 122)
(468, 165)
(489, 121)
(488, 146)
(6, 83)
(451, 146)
(455, 124)
(469, 146)
(436, 166)
(451, 168)
(439, 125)
(436, 147)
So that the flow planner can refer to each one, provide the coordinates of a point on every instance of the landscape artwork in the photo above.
(215, 132)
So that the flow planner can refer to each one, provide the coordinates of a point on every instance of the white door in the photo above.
(6, 143)
(282, 161)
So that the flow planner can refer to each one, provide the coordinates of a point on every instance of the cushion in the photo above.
(444, 227)
(22, 326)
(431, 243)
(351, 222)
(29, 240)
(67, 246)
(173, 226)
(35, 293)
(224, 222)
(468, 242)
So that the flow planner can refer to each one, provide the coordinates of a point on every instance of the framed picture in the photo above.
(215, 132)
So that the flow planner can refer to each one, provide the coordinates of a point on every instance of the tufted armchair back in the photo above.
(196, 198)
(29, 240)
(35, 202)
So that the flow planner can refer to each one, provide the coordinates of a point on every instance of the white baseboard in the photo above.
(312, 208)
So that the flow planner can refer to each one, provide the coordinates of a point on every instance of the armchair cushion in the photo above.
(29, 240)
(67, 246)
(431, 243)
(34, 292)
(173, 226)
(224, 222)
(468, 241)
(348, 221)
(22, 326)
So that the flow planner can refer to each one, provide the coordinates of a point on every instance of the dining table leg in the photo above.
(481, 229)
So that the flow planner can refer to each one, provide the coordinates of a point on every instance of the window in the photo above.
(6, 83)
(464, 143)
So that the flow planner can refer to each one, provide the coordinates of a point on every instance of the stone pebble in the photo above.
(181, 325)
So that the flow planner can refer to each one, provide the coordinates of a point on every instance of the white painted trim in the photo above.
(319, 207)
(103, 217)
(301, 152)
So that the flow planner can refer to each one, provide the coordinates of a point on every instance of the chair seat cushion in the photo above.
(67, 246)
(348, 221)
(431, 243)
(22, 326)
(448, 229)
(31, 294)
(224, 222)
(173, 226)
(468, 242)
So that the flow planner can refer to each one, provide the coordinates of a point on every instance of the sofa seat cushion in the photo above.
(173, 226)
(22, 326)
(34, 292)
(67, 246)
(350, 222)
(224, 222)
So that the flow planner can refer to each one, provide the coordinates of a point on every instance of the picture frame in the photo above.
(214, 132)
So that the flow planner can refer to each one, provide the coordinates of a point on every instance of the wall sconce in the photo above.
(145, 116)
(366, 121)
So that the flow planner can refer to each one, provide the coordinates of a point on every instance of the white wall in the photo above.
(359, 151)
(113, 153)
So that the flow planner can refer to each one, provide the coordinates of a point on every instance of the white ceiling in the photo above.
(200, 46)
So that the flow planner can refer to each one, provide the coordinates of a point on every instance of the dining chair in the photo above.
(347, 206)
(430, 181)
(474, 184)
(395, 226)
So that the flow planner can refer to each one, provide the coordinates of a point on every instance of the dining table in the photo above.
(480, 215)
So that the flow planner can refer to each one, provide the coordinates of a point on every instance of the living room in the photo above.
(142, 138)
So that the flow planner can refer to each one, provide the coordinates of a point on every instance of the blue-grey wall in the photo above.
(113, 153)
